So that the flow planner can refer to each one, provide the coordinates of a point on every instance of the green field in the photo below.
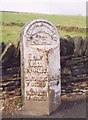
(13, 22)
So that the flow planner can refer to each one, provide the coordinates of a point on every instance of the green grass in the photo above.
(72, 34)
(11, 32)
(8, 17)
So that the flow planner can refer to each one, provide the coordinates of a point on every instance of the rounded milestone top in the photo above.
(40, 32)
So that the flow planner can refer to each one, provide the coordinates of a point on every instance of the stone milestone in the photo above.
(40, 67)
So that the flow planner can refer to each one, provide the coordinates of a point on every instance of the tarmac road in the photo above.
(74, 107)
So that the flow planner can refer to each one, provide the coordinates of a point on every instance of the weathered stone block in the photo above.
(77, 46)
(69, 45)
(63, 47)
(40, 67)
(83, 46)
(86, 64)
(7, 53)
(80, 65)
(76, 72)
(2, 47)
(86, 52)
(70, 62)
(66, 71)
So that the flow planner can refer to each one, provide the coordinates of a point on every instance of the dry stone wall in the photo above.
(74, 64)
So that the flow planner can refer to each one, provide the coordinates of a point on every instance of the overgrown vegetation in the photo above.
(11, 105)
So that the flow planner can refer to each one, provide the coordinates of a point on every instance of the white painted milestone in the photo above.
(40, 67)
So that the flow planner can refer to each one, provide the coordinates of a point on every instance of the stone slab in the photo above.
(40, 67)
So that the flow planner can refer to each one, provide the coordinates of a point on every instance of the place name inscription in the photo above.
(36, 83)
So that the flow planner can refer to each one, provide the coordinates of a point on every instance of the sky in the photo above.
(65, 7)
